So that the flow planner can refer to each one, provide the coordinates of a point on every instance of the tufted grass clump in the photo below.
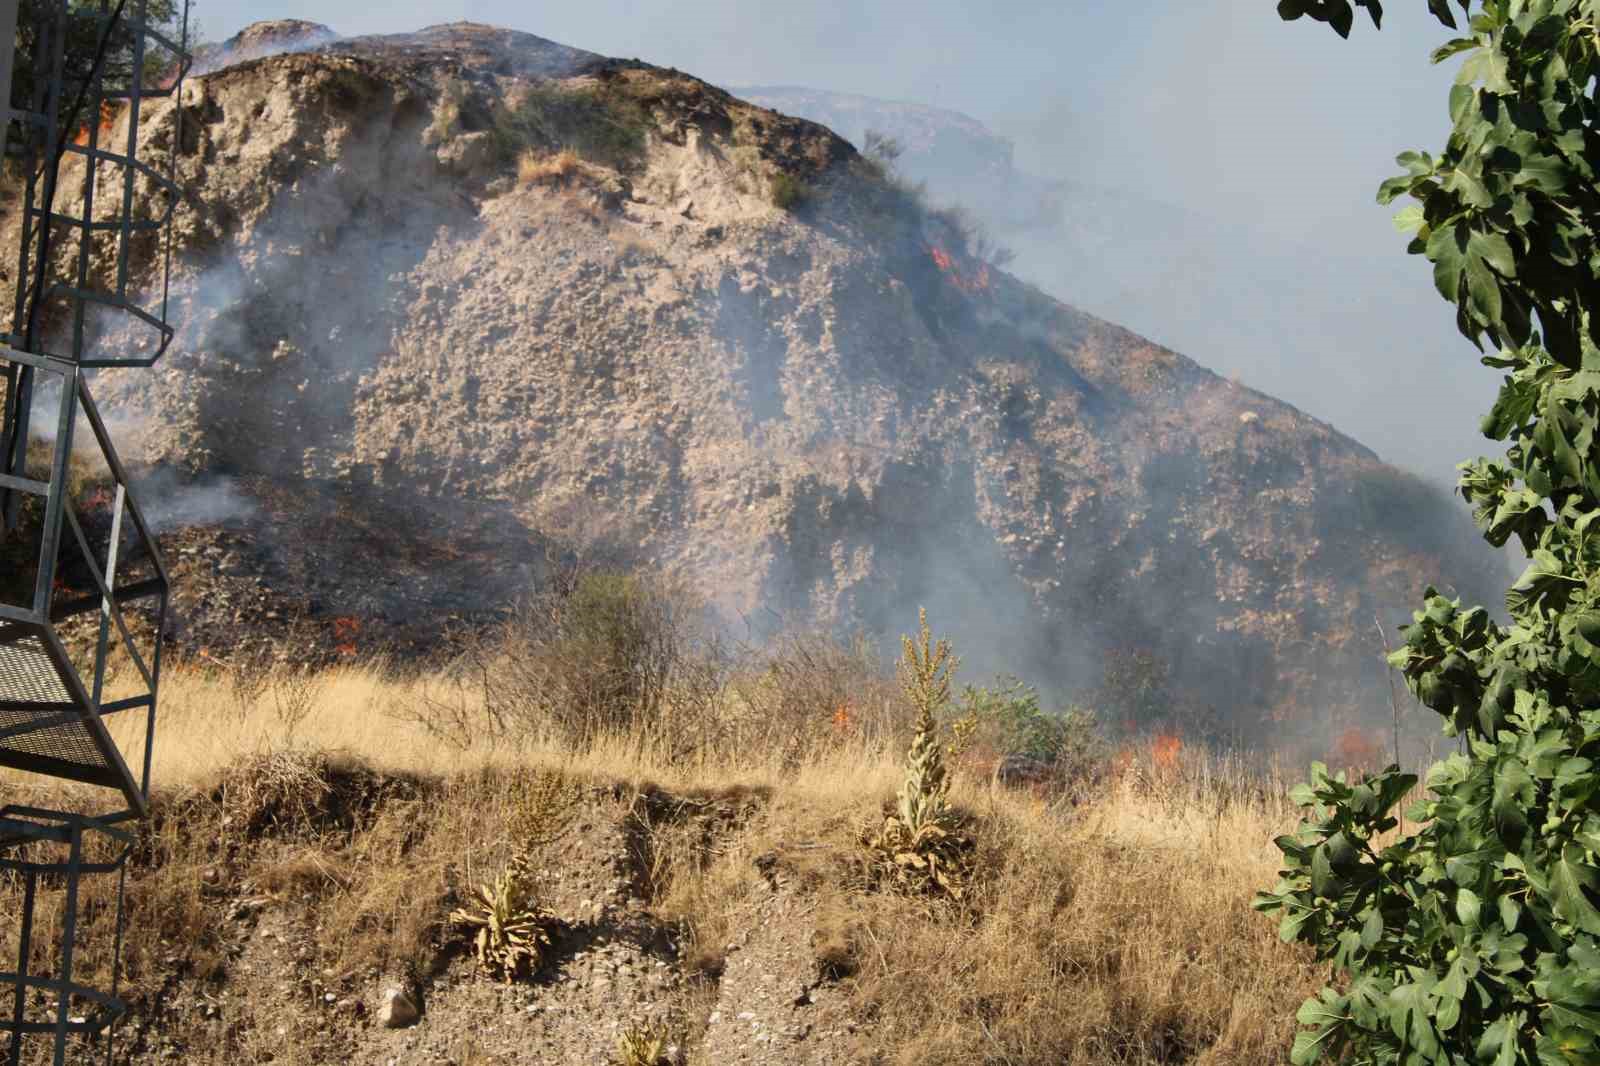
(921, 846)
(644, 1045)
(601, 126)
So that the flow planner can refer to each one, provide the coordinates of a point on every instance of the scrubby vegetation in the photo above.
(1003, 725)
(600, 125)
(786, 191)
(956, 917)
(892, 200)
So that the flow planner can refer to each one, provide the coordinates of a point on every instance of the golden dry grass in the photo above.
(1117, 930)
(535, 168)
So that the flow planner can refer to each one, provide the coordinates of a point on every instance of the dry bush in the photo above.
(596, 656)
(606, 659)
(644, 1045)
(599, 658)
(534, 168)
(807, 695)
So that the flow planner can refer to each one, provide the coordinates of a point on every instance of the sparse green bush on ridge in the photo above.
(787, 191)
(1476, 939)
(891, 197)
(601, 125)
(446, 112)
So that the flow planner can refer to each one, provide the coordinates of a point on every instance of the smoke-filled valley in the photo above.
(717, 341)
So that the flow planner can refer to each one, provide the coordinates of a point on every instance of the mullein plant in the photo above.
(513, 927)
(920, 846)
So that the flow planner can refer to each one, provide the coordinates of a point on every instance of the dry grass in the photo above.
(558, 169)
(1116, 930)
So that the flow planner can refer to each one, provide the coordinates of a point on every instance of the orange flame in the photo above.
(345, 631)
(977, 281)
(1122, 762)
(1355, 749)
(1164, 750)
(842, 719)
(108, 118)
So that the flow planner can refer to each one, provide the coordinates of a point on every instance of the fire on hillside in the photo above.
(969, 280)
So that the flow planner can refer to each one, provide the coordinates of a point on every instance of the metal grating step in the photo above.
(33, 703)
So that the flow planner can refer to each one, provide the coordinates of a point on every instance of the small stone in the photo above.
(398, 1010)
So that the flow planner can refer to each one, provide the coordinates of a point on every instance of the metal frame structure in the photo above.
(73, 551)
(76, 1015)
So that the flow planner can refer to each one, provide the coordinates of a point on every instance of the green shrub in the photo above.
(787, 191)
(601, 125)
(1476, 938)
(1007, 718)
(1135, 693)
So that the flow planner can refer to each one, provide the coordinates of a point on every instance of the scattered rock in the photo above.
(398, 1010)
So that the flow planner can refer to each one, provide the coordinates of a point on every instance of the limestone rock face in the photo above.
(834, 412)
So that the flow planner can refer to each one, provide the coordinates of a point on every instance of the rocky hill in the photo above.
(447, 296)
(1240, 300)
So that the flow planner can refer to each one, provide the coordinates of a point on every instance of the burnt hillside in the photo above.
(568, 297)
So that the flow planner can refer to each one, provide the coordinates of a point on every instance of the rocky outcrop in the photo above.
(259, 39)
(834, 411)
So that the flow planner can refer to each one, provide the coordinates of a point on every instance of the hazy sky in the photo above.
(1219, 107)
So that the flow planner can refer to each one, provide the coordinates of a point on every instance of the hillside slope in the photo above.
(393, 287)
(1245, 302)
